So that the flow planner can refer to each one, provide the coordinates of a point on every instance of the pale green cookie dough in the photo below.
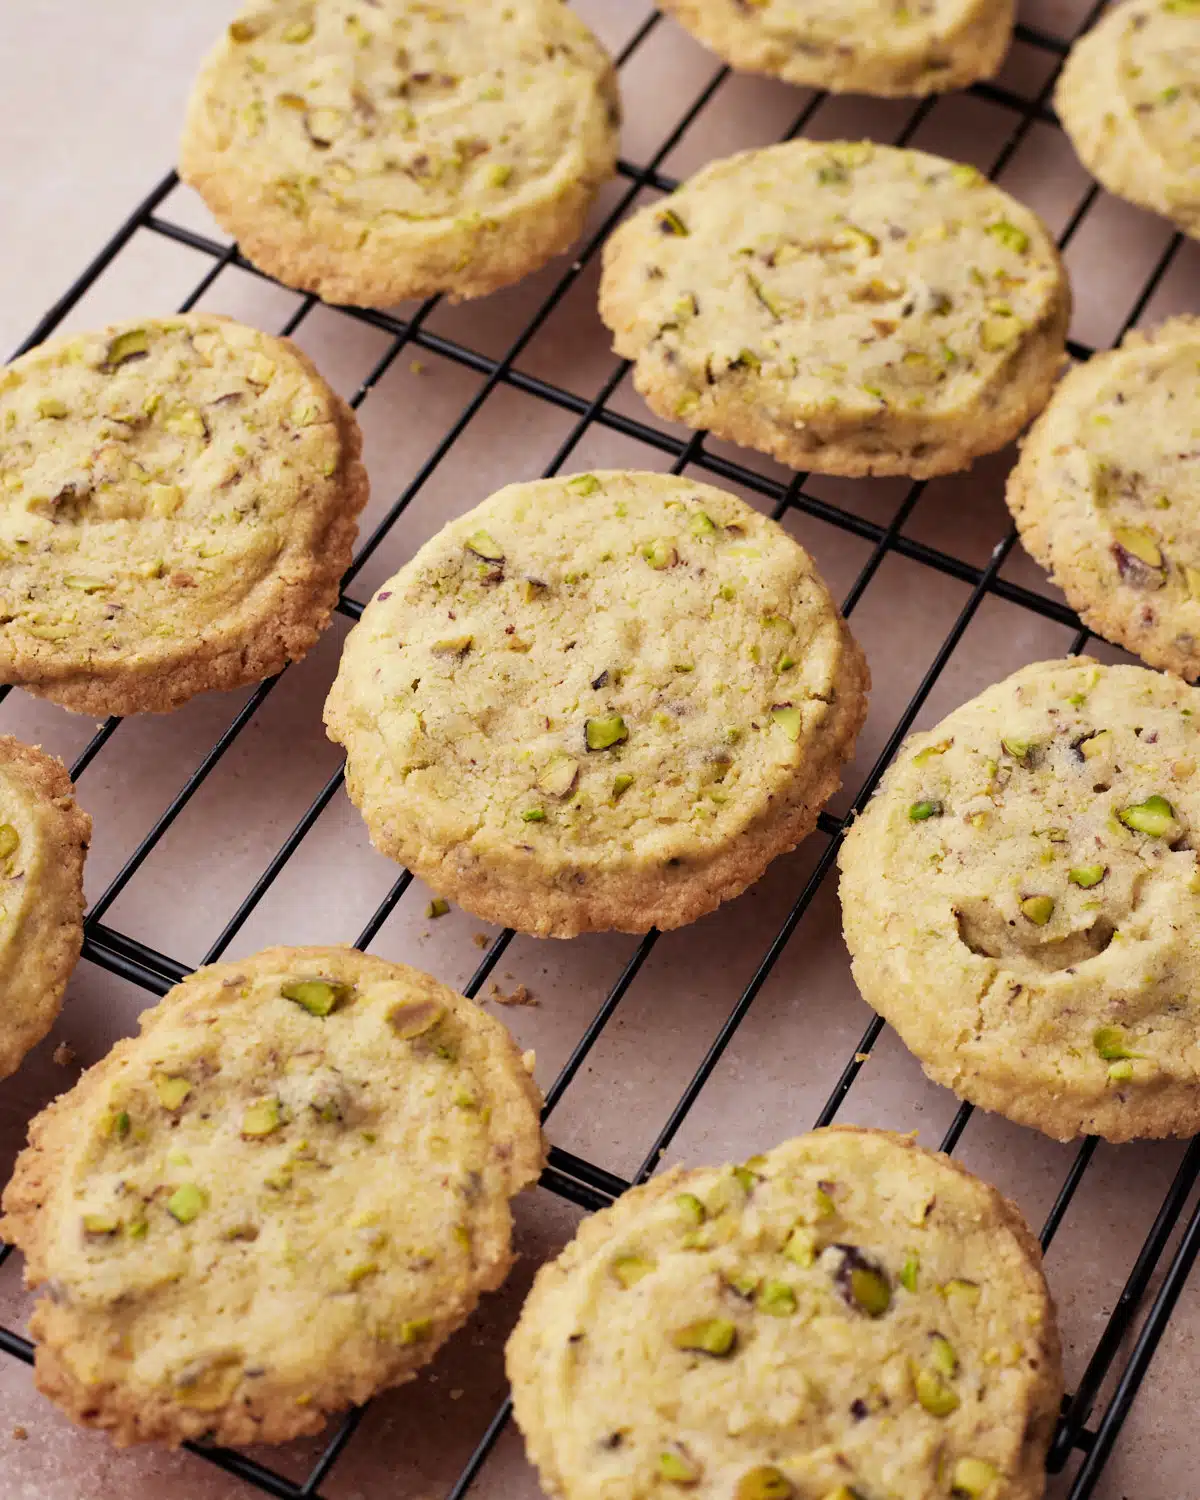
(847, 1317)
(1107, 495)
(1021, 900)
(865, 46)
(178, 501)
(43, 842)
(849, 308)
(1129, 98)
(375, 151)
(600, 702)
(279, 1198)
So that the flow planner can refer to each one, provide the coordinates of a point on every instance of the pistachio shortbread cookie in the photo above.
(1107, 497)
(370, 153)
(865, 46)
(1021, 900)
(279, 1198)
(178, 501)
(845, 1316)
(1129, 98)
(599, 702)
(849, 308)
(43, 841)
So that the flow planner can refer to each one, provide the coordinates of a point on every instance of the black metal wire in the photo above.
(569, 1176)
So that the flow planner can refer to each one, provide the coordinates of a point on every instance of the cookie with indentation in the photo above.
(178, 501)
(1129, 98)
(370, 153)
(845, 1316)
(846, 307)
(1021, 900)
(43, 843)
(863, 46)
(282, 1196)
(1106, 495)
(598, 702)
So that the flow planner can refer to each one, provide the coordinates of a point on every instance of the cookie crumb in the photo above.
(529, 1061)
(417, 367)
(480, 939)
(20, 1433)
(522, 995)
(861, 1057)
(64, 1055)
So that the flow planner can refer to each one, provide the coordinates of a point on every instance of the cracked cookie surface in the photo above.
(846, 1315)
(861, 46)
(178, 502)
(279, 1198)
(1107, 498)
(43, 843)
(1129, 98)
(846, 307)
(1021, 900)
(371, 153)
(599, 702)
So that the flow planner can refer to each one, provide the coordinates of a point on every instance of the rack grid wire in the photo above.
(572, 1177)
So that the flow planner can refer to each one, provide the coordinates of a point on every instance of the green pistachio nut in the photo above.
(961, 1293)
(776, 1298)
(100, 1224)
(973, 1478)
(413, 1018)
(262, 1119)
(453, 645)
(1154, 817)
(415, 1330)
(187, 1202)
(629, 1269)
(941, 1355)
(909, 1271)
(678, 1467)
(131, 344)
(1096, 744)
(558, 776)
(789, 719)
(920, 811)
(604, 731)
(764, 1483)
(1018, 749)
(870, 1290)
(1037, 909)
(1121, 1072)
(669, 222)
(1009, 235)
(621, 784)
(713, 1336)
(10, 840)
(1139, 542)
(690, 1207)
(800, 1247)
(171, 1091)
(583, 484)
(534, 815)
(317, 996)
(1086, 876)
(660, 554)
(484, 545)
(935, 1393)
(1112, 1043)
(702, 524)
(119, 1124)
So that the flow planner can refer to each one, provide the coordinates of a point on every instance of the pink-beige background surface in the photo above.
(89, 112)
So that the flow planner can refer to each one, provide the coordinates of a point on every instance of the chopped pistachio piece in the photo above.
(870, 1290)
(100, 1224)
(629, 1269)
(972, 1478)
(935, 1393)
(942, 1356)
(1087, 876)
(660, 554)
(186, 1202)
(1009, 235)
(317, 996)
(583, 484)
(128, 345)
(714, 1336)
(604, 731)
(1096, 744)
(702, 524)
(1037, 909)
(960, 1291)
(678, 1467)
(119, 1124)
(415, 1330)
(1112, 1043)
(559, 775)
(669, 222)
(534, 815)
(776, 1298)
(9, 840)
(920, 811)
(764, 1483)
(1120, 1072)
(1018, 749)
(909, 1271)
(789, 719)
(1155, 817)
(171, 1091)
(453, 645)
(297, 31)
(690, 1207)
(51, 408)
(438, 907)
(1139, 542)
(263, 1118)
(484, 545)
(800, 1247)
(415, 1017)
(621, 784)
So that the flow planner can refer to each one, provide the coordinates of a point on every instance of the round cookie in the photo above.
(848, 308)
(1129, 98)
(1021, 900)
(371, 153)
(43, 841)
(1107, 498)
(861, 46)
(178, 502)
(845, 1316)
(599, 702)
(279, 1198)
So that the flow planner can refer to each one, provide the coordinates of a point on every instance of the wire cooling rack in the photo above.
(1085, 1435)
